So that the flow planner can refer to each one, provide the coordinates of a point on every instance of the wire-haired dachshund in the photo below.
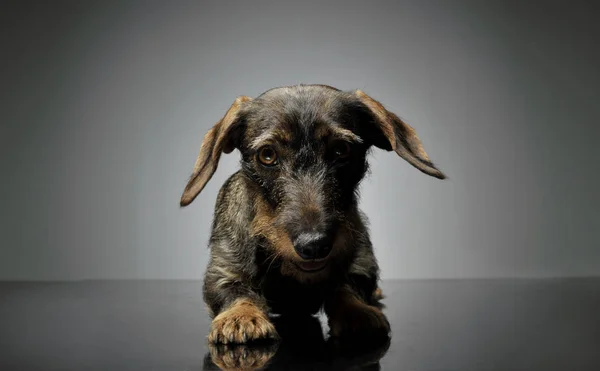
(288, 237)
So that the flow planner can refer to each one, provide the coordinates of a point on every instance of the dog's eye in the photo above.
(341, 150)
(267, 156)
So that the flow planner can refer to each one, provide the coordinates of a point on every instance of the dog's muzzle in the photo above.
(312, 245)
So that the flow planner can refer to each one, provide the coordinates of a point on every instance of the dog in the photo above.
(288, 237)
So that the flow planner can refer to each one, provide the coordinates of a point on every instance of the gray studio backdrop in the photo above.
(104, 106)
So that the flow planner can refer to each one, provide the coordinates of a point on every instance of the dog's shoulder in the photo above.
(234, 200)
(233, 186)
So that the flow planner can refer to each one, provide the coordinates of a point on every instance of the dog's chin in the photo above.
(306, 271)
(311, 266)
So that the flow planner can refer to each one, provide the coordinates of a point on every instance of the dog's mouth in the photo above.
(311, 266)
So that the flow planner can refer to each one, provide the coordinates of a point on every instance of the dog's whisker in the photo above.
(273, 257)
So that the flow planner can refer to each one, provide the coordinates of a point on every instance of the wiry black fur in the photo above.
(230, 243)
(245, 265)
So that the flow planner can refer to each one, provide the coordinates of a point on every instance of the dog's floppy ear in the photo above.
(393, 134)
(219, 139)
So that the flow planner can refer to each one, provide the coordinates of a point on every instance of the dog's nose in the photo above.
(312, 245)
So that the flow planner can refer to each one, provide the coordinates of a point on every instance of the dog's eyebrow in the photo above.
(268, 136)
(337, 132)
(346, 134)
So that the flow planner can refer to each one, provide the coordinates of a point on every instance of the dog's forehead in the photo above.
(296, 109)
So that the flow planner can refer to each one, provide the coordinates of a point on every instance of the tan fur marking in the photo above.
(337, 133)
(347, 135)
(242, 322)
(263, 225)
(378, 294)
(271, 136)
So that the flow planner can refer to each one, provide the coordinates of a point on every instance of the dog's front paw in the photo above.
(241, 357)
(243, 322)
(349, 316)
(358, 321)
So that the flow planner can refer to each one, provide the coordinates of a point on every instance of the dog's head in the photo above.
(305, 149)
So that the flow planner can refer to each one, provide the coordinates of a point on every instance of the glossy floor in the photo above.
(437, 325)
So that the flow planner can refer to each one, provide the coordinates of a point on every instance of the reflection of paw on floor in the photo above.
(241, 357)
(241, 323)
(302, 344)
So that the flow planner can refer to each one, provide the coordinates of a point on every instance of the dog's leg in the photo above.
(239, 314)
(350, 314)
(354, 307)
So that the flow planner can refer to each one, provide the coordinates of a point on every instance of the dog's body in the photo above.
(288, 237)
